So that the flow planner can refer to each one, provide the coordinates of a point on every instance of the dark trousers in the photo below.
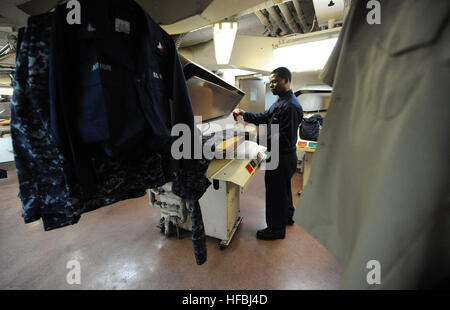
(279, 207)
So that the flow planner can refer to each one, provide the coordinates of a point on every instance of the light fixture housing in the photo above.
(224, 35)
(305, 57)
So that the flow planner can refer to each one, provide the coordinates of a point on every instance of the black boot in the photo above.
(270, 234)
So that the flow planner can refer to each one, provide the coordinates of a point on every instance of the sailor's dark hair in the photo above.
(283, 73)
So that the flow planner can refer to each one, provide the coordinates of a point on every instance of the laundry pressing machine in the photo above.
(214, 99)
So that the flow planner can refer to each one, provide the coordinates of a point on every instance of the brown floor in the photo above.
(119, 247)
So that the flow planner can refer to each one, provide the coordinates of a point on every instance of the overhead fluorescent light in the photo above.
(304, 57)
(7, 91)
(224, 35)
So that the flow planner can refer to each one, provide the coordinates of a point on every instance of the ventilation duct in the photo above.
(328, 12)
(277, 18)
(300, 15)
(288, 17)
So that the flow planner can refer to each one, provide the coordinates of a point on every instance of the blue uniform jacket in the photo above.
(122, 85)
(120, 160)
(287, 113)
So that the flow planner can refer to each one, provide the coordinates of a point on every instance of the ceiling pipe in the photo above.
(331, 23)
(277, 19)
(264, 20)
(301, 16)
(5, 48)
(288, 17)
(7, 56)
(262, 6)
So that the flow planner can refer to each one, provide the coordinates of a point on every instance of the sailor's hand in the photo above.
(238, 112)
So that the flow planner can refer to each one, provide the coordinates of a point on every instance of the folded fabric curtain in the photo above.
(375, 196)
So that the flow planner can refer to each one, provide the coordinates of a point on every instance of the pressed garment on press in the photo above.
(379, 183)
(49, 171)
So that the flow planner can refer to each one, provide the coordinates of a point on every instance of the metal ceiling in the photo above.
(190, 18)
(186, 15)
